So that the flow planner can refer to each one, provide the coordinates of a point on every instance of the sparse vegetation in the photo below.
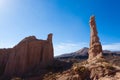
(109, 66)
(80, 70)
(101, 60)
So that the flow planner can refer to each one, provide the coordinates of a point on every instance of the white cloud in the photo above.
(113, 47)
(68, 47)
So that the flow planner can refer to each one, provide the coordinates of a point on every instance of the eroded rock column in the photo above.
(51, 50)
(95, 45)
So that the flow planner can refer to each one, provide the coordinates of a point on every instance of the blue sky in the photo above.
(68, 20)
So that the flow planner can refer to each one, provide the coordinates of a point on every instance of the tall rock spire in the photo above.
(51, 50)
(95, 46)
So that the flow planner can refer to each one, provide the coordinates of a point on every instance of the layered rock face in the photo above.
(30, 53)
(95, 46)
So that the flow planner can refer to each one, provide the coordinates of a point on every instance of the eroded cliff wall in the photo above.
(30, 53)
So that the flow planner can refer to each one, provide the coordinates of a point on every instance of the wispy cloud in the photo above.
(113, 47)
(68, 47)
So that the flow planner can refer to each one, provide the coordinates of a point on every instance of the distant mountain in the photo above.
(83, 53)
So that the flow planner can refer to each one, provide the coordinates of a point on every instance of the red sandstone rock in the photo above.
(95, 46)
(30, 53)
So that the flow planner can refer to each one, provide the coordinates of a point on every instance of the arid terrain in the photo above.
(63, 67)
(33, 59)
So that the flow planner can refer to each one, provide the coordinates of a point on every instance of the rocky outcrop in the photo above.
(95, 68)
(95, 46)
(27, 55)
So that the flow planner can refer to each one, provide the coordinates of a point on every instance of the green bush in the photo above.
(80, 69)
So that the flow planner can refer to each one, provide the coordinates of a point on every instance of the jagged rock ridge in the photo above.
(83, 53)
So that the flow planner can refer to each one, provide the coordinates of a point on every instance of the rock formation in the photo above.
(27, 55)
(95, 46)
(95, 68)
